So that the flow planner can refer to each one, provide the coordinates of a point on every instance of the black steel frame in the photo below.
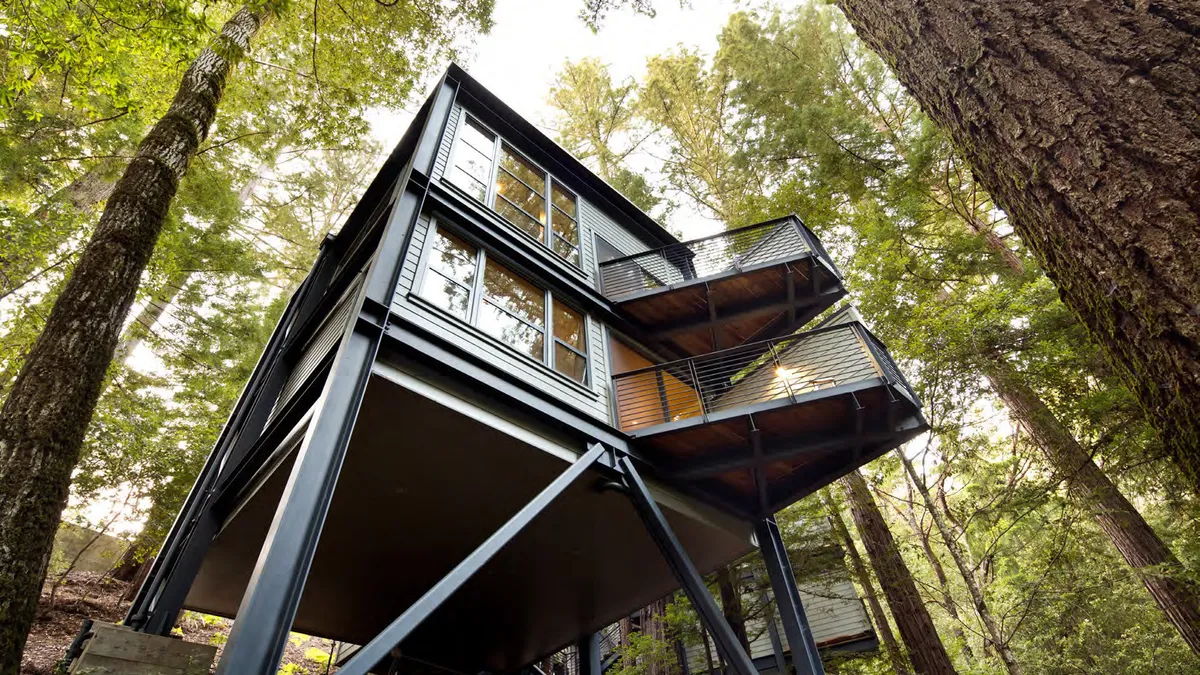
(805, 658)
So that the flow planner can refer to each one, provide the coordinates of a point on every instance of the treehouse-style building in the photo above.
(507, 408)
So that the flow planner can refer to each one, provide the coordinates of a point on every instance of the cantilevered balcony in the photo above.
(752, 283)
(761, 425)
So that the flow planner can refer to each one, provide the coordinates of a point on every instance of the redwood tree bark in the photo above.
(890, 646)
(731, 605)
(925, 649)
(1129, 532)
(1080, 119)
(47, 411)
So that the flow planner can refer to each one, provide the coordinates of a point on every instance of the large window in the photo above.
(523, 194)
(463, 280)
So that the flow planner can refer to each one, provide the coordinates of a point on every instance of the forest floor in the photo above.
(86, 595)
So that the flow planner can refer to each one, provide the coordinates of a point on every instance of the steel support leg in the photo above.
(268, 607)
(685, 572)
(805, 658)
(398, 630)
(588, 650)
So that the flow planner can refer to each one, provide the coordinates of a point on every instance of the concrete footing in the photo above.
(117, 650)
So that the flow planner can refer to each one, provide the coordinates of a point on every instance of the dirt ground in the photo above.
(86, 595)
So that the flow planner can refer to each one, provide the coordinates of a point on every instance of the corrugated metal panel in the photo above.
(323, 342)
(443, 156)
(593, 402)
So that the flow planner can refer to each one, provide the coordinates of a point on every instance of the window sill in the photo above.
(544, 252)
(553, 374)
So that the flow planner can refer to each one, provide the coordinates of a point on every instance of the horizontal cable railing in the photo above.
(781, 368)
(730, 251)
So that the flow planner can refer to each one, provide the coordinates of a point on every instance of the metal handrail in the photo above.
(780, 368)
(731, 251)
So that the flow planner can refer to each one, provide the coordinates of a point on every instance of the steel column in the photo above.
(685, 572)
(805, 658)
(269, 604)
(588, 651)
(378, 648)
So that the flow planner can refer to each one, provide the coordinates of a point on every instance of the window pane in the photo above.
(464, 180)
(514, 294)
(517, 193)
(569, 363)
(517, 217)
(446, 294)
(563, 199)
(566, 250)
(521, 168)
(569, 326)
(565, 227)
(501, 324)
(453, 257)
(477, 137)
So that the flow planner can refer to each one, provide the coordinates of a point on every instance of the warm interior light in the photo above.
(783, 373)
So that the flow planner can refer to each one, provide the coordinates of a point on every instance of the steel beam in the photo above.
(805, 658)
(685, 572)
(378, 648)
(269, 604)
(588, 651)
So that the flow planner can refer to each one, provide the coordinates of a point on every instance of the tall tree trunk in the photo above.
(939, 572)
(925, 649)
(46, 414)
(1080, 120)
(882, 628)
(1118, 519)
(994, 631)
(731, 604)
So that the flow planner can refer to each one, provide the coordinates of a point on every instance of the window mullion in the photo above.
(477, 288)
(549, 207)
(548, 342)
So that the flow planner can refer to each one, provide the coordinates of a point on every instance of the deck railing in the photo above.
(782, 368)
(732, 251)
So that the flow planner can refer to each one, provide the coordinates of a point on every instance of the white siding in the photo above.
(593, 402)
(835, 614)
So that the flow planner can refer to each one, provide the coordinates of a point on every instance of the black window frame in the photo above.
(550, 181)
(477, 296)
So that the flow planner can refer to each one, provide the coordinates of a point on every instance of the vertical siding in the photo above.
(593, 402)
(443, 156)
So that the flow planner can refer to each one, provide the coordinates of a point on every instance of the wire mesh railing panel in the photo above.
(701, 258)
(782, 368)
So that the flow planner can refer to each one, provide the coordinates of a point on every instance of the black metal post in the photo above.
(268, 607)
(805, 658)
(685, 572)
(398, 630)
(588, 651)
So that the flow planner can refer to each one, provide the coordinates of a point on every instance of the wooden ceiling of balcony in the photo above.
(725, 311)
(815, 442)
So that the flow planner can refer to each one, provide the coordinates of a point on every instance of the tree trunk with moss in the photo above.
(882, 628)
(1080, 120)
(925, 649)
(1132, 536)
(48, 409)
